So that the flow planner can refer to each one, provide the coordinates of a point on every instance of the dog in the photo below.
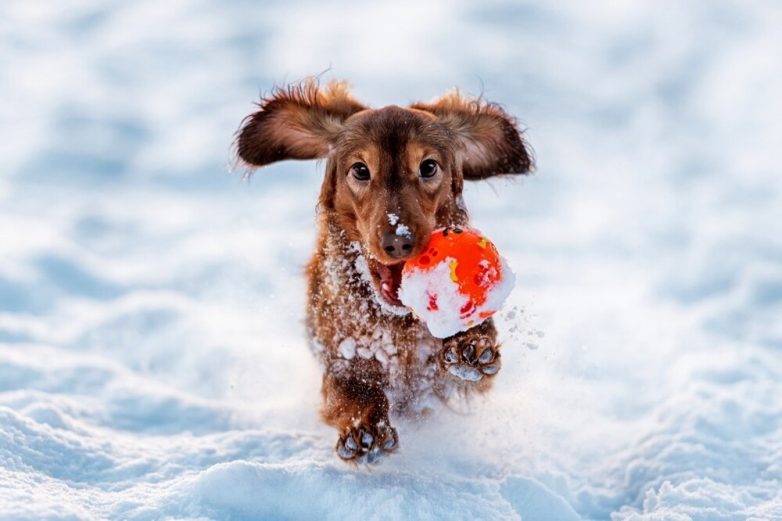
(385, 168)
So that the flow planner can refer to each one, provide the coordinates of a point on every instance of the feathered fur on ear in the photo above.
(297, 122)
(489, 142)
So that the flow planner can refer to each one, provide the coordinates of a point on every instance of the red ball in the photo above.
(458, 281)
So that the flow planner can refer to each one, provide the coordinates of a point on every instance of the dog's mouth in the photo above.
(388, 277)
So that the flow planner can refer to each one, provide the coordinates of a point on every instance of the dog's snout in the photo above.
(397, 246)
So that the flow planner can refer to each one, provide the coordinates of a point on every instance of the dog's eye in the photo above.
(360, 171)
(427, 168)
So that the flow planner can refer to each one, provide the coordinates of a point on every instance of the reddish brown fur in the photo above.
(379, 361)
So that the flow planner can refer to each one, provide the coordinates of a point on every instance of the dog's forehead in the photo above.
(390, 119)
(393, 127)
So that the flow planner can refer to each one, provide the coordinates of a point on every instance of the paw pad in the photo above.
(364, 444)
(470, 359)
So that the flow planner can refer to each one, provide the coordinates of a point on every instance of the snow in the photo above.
(153, 362)
(402, 230)
(418, 286)
(347, 348)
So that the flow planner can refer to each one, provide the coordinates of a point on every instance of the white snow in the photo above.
(153, 360)
(402, 230)
(419, 286)
(347, 348)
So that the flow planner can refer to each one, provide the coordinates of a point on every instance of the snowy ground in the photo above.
(152, 358)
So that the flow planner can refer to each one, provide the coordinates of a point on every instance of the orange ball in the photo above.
(474, 289)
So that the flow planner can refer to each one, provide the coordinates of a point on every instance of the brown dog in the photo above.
(388, 170)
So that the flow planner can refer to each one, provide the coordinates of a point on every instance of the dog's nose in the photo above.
(397, 246)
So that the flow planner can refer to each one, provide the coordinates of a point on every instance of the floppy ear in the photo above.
(489, 143)
(298, 122)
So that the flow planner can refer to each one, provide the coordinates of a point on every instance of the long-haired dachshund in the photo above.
(386, 168)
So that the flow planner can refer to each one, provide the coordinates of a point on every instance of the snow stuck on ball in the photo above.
(459, 281)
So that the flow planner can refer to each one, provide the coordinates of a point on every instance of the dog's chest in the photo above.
(349, 326)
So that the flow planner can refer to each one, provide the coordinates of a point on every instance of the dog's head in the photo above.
(393, 174)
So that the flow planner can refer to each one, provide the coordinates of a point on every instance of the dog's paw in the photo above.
(470, 357)
(365, 444)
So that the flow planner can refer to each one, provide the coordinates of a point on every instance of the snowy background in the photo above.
(152, 356)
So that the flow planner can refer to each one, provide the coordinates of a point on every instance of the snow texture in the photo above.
(153, 363)
(402, 230)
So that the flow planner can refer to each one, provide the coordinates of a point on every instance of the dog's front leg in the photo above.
(472, 355)
(355, 403)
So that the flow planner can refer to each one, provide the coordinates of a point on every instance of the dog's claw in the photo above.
(490, 369)
(391, 442)
(346, 448)
(468, 353)
(366, 439)
(374, 455)
(486, 356)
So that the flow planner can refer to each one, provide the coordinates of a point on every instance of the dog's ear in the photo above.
(297, 122)
(488, 141)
